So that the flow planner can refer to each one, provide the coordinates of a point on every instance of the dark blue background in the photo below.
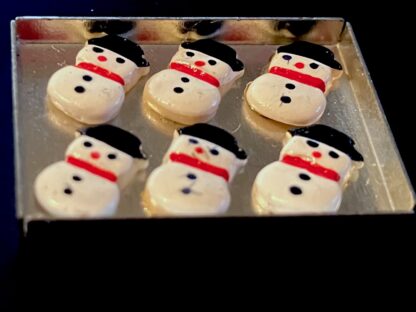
(382, 37)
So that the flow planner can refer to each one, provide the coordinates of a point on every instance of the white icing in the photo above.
(297, 146)
(93, 196)
(307, 103)
(123, 166)
(128, 70)
(199, 101)
(271, 192)
(224, 159)
(100, 102)
(207, 193)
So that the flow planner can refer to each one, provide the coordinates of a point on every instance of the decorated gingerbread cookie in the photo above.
(294, 89)
(92, 91)
(314, 167)
(97, 163)
(190, 90)
(193, 179)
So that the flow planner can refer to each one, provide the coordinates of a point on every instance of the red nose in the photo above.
(95, 155)
(199, 150)
(102, 58)
(299, 65)
(199, 63)
(316, 154)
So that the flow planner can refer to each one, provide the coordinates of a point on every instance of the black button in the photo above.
(76, 178)
(87, 78)
(290, 86)
(79, 89)
(68, 191)
(295, 190)
(285, 99)
(184, 79)
(178, 89)
(186, 190)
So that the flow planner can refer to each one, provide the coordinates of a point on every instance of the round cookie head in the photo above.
(207, 57)
(312, 51)
(215, 135)
(323, 151)
(117, 138)
(216, 49)
(331, 137)
(123, 47)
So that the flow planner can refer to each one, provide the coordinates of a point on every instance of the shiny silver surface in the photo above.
(41, 46)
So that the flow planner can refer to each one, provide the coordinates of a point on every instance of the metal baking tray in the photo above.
(40, 46)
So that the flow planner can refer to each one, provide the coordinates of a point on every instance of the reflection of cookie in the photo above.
(309, 177)
(263, 125)
(190, 90)
(92, 91)
(60, 120)
(87, 183)
(294, 88)
(193, 180)
(160, 123)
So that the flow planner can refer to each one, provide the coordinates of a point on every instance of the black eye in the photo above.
(97, 50)
(214, 152)
(76, 178)
(312, 143)
(193, 141)
(190, 54)
(112, 156)
(87, 144)
(212, 62)
(120, 60)
(286, 57)
(333, 154)
(313, 65)
(68, 191)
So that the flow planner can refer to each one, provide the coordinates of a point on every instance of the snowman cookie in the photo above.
(197, 168)
(313, 169)
(190, 90)
(87, 184)
(294, 89)
(92, 91)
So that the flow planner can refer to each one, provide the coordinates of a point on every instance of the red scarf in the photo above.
(299, 77)
(197, 163)
(91, 168)
(312, 168)
(101, 71)
(195, 72)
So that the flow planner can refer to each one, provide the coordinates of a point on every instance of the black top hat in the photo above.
(215, 135)
(312, 51)
(122, 46)
(332, 137)
(117, 138)
(216, 49)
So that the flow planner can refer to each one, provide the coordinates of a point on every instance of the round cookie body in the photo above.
(84, 95)
(67, 191)
(287, 190)
(285, 100)
(181, 97)
(177, 189)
